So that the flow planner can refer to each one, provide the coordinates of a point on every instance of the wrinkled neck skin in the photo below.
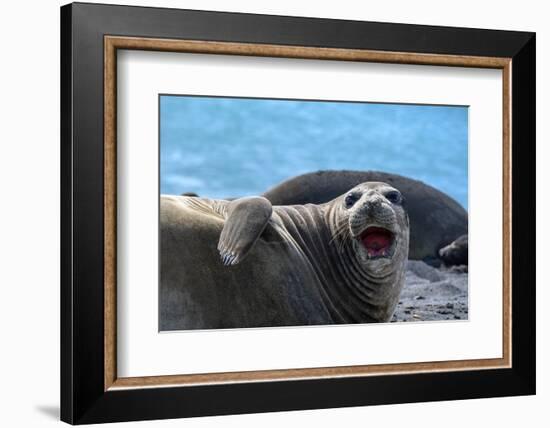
(368, 289)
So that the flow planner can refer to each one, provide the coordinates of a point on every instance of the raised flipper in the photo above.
(245, 221)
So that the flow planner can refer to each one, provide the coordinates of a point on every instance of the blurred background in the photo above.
(230, 147)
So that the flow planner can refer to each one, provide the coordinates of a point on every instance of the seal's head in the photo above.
(372, 217)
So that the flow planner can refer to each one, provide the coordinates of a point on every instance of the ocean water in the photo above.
(228, 147)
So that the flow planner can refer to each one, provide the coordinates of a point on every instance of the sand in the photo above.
(433, 294)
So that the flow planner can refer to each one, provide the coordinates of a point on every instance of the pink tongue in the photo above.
(376, 242)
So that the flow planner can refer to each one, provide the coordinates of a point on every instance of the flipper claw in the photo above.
(246, 220)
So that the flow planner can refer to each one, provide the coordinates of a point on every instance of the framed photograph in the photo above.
(265, 213)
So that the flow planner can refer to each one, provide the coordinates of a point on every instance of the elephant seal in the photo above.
(247, 263)
(436, 219)
(456, 253)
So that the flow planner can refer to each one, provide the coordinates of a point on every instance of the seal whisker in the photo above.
(340, 236)
(340, 231)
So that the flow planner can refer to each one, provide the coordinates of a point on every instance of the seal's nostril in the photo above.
(373, 202)
(366, 206)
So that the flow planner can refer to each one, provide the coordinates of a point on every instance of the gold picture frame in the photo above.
(114, 43)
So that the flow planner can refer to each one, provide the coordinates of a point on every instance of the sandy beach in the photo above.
(432, 294)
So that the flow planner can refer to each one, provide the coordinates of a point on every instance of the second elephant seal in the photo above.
(456, 253)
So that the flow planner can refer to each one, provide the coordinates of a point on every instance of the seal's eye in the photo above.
(394, 197)
(351, 198)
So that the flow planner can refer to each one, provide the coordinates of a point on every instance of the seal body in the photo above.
(456, 253)
(246, 263)
(436, 219)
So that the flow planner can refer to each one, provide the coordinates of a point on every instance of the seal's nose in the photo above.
(372, 202)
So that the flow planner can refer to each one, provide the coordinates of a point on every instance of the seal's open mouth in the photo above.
(378, 241)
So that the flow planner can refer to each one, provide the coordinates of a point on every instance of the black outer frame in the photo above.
(83, 399)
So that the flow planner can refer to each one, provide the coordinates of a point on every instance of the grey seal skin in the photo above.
(436, 219)
(456, 253)
(246, 263)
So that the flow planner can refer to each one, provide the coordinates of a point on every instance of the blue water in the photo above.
(223, 147)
